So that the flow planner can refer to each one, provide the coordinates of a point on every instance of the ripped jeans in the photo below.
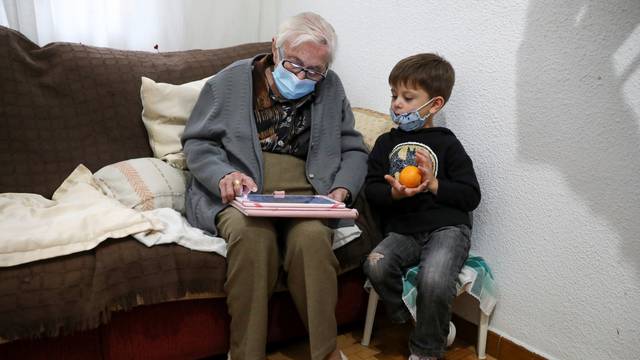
(441, 254)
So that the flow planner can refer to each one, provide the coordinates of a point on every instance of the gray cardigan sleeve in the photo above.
(202, 141)
(353, 166)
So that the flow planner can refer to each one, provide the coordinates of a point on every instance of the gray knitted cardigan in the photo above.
(221, 137)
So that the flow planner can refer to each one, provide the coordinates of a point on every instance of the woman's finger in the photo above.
(237, 186)
(249, 183)
(225, 188)
(231, 188)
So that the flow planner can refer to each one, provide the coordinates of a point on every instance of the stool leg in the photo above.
(371, 315)
(483, 328)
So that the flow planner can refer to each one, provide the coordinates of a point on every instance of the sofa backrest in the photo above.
(65, 104)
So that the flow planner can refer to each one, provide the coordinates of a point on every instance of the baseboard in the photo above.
(499, 347)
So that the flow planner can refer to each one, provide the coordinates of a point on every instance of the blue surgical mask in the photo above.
(412, 120)
(289, 85)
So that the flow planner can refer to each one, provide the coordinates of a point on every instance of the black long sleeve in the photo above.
(377, 189)
(458, 189)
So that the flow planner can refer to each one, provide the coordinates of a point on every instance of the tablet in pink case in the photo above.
(300, 206)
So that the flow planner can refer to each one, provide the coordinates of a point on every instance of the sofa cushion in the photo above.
(65, 104)
(165, 110)
(371, 124)
(144, 184)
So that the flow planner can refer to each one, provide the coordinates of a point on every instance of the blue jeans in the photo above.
(441, 254)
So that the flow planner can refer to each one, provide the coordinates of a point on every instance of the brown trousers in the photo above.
(253, 260)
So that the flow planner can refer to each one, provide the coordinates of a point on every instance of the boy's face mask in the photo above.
(412, 120)
(289, 85)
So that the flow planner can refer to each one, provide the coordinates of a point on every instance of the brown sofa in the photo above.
(66, 104)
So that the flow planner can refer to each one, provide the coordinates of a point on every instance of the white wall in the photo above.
(141, 24)
(547, 103)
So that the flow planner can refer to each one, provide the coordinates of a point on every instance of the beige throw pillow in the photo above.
(371, 124)
(165, 110)
(144, 184)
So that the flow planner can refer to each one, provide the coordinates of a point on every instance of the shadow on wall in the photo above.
(575, 63)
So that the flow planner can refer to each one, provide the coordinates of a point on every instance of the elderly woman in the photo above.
(279, 121)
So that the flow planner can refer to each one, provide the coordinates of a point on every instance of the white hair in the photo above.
(304, 27)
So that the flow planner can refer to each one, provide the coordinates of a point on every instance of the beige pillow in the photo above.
(144, 184)
(371, 124)
(165, 110)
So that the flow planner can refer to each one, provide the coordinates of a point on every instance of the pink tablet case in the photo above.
(299, 210)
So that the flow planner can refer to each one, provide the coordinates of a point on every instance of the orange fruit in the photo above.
(410, 176)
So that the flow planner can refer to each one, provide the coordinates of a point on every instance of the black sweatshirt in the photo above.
(458, 189)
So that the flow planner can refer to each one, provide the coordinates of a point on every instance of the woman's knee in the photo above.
(311, 236)
(251, 242)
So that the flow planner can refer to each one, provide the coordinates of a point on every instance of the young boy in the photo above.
(428, 224)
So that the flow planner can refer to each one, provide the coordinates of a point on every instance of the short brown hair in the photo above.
(430, 72)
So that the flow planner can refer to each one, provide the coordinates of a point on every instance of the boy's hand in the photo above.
(423, 160)
(429, 182)
(399, 191)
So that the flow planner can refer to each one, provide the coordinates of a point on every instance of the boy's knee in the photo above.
(438, 287)
(374, 257)
(373, 267)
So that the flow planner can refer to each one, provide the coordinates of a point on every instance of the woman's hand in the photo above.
(234, 184)
(339, 194)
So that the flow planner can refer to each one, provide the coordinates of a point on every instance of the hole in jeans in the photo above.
(374, 257)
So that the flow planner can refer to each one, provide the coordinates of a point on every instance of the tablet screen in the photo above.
(289, 199)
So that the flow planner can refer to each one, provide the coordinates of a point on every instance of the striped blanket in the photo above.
(475, 278)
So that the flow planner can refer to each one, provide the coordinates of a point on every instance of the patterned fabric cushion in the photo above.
(144, 184)
(165, 110)
(371, 124)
